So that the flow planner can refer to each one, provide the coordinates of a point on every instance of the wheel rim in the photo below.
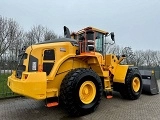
(87, 92)
(136, 84)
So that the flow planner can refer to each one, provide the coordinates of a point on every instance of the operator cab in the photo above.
(91, 40)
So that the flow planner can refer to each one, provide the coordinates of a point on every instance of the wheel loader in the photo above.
(74, 71)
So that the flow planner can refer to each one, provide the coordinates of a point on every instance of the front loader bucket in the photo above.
(150, 85)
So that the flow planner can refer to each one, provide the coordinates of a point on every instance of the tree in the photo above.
(9, 32)
(139, 57)
(128, 52)
(15, 46)
(38, 34)
(49, 35)
(157, 58)
(148, 58)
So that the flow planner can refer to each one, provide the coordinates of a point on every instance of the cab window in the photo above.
(48, 60)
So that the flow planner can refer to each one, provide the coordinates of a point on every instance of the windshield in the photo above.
(99, 42)
(95, 41)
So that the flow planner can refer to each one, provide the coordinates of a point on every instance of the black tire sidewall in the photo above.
(81, 79)
(132, 74)
(69, 92)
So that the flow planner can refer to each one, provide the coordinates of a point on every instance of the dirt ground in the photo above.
(147, 107)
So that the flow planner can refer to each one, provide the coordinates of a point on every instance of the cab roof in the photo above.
(91, 28)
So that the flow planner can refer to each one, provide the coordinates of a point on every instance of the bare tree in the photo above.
(157, 58)
(154, 58)
(139, 57)
(38, 34)
(28, 38)
(49, 35)
(148, 58)
(15, 46)
(9, 32)
(114, 49)
(128, 52)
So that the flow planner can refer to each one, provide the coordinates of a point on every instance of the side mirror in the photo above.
(112, 36)
(66, 32)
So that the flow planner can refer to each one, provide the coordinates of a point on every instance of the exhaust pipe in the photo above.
(66, 32)
(150, 85)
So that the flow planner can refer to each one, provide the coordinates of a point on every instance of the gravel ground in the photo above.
(147, 107)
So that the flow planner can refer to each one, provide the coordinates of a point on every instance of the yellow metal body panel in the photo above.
(63, 69)
(63, 63)
(93, 62)
(38, 85)
(111, 62)
(51, 92)
(33, 85)
(67, 63)
(120, 73)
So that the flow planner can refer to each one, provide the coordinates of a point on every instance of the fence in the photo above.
(7, 64)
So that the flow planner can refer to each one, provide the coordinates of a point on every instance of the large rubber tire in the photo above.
(127, 90)
(70, 87)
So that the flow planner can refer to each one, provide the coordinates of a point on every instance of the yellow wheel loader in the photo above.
(74, 71)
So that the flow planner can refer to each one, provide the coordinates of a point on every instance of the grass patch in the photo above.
(3, 80)
(4, 89)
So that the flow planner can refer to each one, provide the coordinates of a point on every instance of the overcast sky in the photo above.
(136, 23)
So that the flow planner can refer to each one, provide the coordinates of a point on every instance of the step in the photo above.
(52, 104)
